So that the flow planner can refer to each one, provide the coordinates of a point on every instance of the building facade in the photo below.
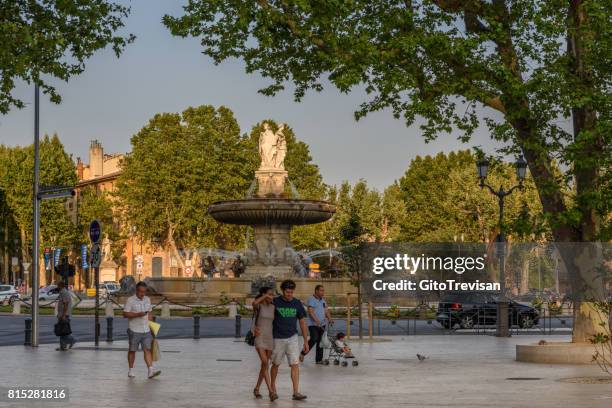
(139, 259)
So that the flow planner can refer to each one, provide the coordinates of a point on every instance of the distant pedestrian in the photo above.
(288, 312)
(64, 310)
(319, 318)
(138, 312)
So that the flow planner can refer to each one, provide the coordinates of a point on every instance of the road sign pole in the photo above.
(97, 282)
(35, 218)
(95, 233)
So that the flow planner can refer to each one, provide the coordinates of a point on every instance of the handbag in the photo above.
(62, 328)
(250, 336)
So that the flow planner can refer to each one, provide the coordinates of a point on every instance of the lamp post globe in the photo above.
(521, 169)
(483, 169)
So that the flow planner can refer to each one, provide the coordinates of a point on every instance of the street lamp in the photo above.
(501, 194)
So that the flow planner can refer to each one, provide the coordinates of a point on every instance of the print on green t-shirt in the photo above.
(287, 311)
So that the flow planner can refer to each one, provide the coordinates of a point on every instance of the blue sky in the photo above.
(114, 98)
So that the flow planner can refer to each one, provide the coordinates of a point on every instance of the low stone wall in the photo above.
(195, 290)
(556, 353)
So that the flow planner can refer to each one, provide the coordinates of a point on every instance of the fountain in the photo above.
(271, 212)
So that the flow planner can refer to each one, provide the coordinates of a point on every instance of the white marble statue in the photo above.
(107, 254)
(272, 148)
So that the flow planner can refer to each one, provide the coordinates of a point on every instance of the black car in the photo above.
(467, 309)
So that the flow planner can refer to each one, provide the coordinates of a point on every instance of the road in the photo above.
(12, 328)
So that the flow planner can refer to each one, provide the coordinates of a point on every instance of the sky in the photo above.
(114, 98)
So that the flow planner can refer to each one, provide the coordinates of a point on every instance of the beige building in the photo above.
(138, 260)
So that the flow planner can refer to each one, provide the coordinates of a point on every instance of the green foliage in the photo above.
(42, 39)
(16, 179)
(180, 164)
(444, 202)
(441, 60)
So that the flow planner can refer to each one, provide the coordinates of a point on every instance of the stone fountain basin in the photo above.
(267, 211)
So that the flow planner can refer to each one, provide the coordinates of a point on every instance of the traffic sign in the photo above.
(47, 257)
(95, 231)
(26, 266)
(84, 263)
(95, 256)
(56, 256)
(188, 270)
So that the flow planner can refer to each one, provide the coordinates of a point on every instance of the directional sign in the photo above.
(95, 231)
(95, 256)
(84, 263)
(47, 256)
(56, 256)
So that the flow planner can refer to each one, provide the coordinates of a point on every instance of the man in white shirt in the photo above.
(138, 312)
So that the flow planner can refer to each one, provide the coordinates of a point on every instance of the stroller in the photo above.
(336, 353)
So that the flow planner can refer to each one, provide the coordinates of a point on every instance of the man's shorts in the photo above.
(286, 347)
(142, 339)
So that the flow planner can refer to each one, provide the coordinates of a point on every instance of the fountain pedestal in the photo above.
(278, 271)
(271, 182)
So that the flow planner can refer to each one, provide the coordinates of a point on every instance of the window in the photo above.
(157, 267)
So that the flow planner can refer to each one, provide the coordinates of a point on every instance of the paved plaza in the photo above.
(461, 371)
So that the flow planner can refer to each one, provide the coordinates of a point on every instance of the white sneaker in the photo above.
(131, 373)
(153, 372)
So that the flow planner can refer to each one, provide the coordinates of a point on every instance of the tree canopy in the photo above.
(180, 164)
(53, 39)
(16, 180)
(445, 203)
(529, 64)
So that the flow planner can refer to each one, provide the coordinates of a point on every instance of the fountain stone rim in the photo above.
(271, 210)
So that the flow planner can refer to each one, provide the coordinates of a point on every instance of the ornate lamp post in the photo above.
(501, 194)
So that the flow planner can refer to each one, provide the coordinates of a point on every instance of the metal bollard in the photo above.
(109, 329)
(238, 331)
(196, 326)
(28, 332)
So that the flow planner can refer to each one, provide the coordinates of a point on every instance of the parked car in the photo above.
(468, 309)
(109, 288)
(8, 294)
(50, 292)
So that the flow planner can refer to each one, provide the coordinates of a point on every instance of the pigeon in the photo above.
(421, 357)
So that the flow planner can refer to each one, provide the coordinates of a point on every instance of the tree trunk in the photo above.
(585, 280)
